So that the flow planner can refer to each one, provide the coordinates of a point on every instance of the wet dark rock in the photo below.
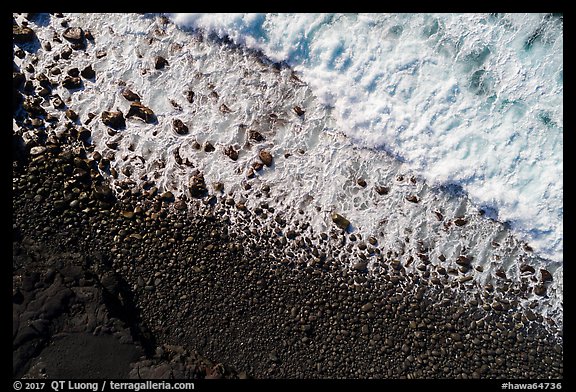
(175, 104)
(66, 53)
(71, 82)
(88, 35)
(460, 221)
(412, 198)
(189, 96)
(112, 144)
(231, 153)
(23, 35)
(44, 92)
(255, 135)
(180, 205)
(540, 290)
(88, 72)
(103, 192)
(225, 109)
(33, 107)
(84, 134)
(127, 214)
(265, 157)
(141, 111)
(197, 186)
(298, 110)
(545, 275)
(130, 95)
(208, 147)
(360, 266)
(340, 221)
(75, 35)
(44, 81)
(179, 127)
(464, 260)
(160, 62)
(167, 196)
(361, 182)
(530, 316)
(114, 120)
(528, 269)
(382, 190)
(71, 114)
(57, 102)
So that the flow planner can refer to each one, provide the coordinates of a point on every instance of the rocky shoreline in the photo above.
(166, 283)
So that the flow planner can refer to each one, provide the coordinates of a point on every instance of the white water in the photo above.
(399, 111)
(460, 97)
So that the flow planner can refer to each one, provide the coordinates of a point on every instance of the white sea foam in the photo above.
(470, 99)
(393, 107)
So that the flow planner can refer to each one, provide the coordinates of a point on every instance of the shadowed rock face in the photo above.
(179, 127)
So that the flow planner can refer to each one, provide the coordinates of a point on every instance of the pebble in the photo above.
(141, 111)
(23, 35)
(71, 114)
(71, 82)
(130, 95)
(73, 34)
(340, 221)
(298, 110)
(265, 157)
(167, 195)
(412, 199)
(88, 72)
(38, 150)
(160, 62)
(367, 307)
(231, 153)
(113, 119)
(179, 127)
(359, 266)
(460, 221)
(545, 275)
(540, 290)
